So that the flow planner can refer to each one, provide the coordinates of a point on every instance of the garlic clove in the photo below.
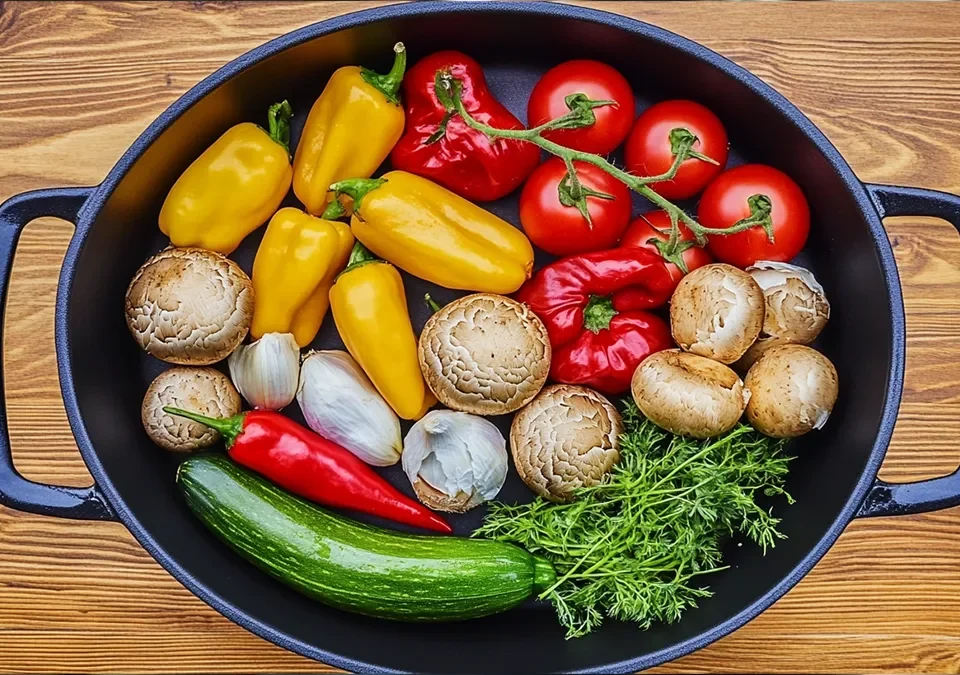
(341, 404)
(267, 371)
(455, 460)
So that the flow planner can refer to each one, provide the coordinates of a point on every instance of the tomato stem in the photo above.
(581, 114)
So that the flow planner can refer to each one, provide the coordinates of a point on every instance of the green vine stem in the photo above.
(581, 114)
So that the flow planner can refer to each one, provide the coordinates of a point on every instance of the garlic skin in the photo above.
(341, 404)
(454, 460)
(266, 371)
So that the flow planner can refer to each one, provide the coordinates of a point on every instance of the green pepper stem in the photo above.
(356, 188)
(229, 427)
(389, 84)
(278, 123)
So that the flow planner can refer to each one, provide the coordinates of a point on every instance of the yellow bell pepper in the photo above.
(292, 274)
(350, 130)
(369, 307)
(436, 235)
(233, 187)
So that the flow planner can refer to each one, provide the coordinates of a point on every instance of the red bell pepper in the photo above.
(309, 465)
(440, 146)
(593, 307)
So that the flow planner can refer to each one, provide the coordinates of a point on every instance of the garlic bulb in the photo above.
(341, 404)
(266, 371)
(796, 308)
(455, 460)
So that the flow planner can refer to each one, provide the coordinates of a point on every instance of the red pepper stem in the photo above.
(598, 313)
(389, 84)
(357, 188)
(229, 427)
(278, 123)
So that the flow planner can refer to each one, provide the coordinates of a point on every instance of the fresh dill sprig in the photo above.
(633, 547)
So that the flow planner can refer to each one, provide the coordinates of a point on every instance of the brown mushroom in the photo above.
(687, 394)
(202, 390)
(793, 390)
(484, 354)
(716, 311)
(189, 306)
(568, 437)
(796, 308)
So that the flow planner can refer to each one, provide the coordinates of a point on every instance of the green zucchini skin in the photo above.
(354, 566)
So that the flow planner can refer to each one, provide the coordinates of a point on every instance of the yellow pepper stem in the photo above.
(278, 123)
(356, 188)
(431, 303)
(334, 211)
(359, 255)
(389, 84)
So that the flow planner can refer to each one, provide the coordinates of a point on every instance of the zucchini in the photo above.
(354, 566)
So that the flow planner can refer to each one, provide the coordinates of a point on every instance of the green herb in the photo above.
(634, 547)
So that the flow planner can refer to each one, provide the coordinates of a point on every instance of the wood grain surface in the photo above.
(79, 82)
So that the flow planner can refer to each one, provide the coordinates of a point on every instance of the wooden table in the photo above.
(79, 82)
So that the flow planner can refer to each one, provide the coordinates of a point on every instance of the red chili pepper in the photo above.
(592, 305)
(309, 465)
(440, 146)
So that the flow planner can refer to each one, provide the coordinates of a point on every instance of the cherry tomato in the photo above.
(656, 225)
(562, 230)
(738, 192)
(650, 151)
(599, 82)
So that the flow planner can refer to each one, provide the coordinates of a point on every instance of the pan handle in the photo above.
(16, 491)
(895, 499)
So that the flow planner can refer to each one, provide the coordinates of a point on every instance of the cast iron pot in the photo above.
(103, 374)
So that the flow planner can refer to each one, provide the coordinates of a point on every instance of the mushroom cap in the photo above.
(796, 308)
(484, 354)
(203, 390)
(568, 437)
(793, 390)
(189, 306)
(687, 394)
(716, 311)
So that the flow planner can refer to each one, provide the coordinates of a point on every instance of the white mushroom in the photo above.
(689, 395)
(796, 308)
(794, 388)
(189, 306)
(716, 311)
(484, 354)
(203, 390)
(568, 437)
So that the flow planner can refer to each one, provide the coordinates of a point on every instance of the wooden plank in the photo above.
(79, 82)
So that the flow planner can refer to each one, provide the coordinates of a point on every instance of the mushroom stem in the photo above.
(229, 427)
